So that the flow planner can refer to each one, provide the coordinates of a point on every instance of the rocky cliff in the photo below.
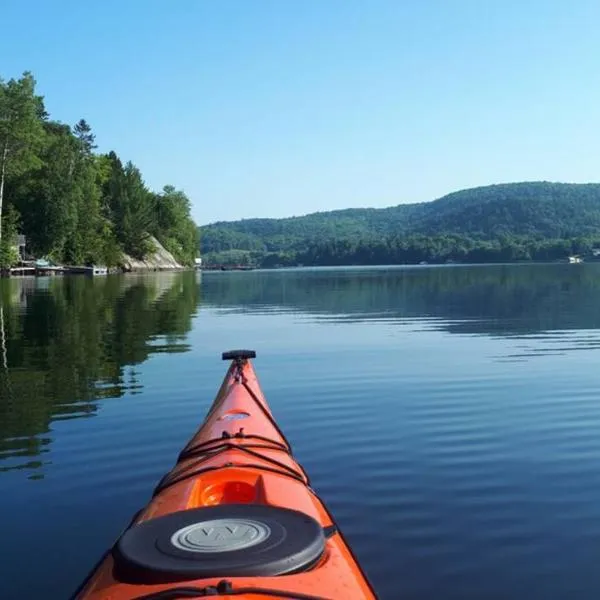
(159, 259)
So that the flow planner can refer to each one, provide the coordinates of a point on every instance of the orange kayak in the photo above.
(236, 516)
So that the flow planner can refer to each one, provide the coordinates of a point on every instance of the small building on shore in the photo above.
(19, 246)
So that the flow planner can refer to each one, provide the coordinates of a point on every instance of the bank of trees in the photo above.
(413, 249)
(75, 205)
(442, 249)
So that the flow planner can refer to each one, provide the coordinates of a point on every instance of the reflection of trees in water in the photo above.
(72, 341)
(498, 299)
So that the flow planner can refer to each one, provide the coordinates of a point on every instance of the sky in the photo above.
(273, 108)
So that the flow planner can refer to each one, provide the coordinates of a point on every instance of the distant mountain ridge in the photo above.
(536, 210)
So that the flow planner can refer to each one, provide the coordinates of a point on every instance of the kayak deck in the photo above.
(236, 516)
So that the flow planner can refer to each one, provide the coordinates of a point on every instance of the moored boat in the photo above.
(236, 516)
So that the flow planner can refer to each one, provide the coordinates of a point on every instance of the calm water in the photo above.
(449, 416)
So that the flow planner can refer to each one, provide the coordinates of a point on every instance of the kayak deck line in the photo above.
(235, 516)
(225, 588)
(189, 452)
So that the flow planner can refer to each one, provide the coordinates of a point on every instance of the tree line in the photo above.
(413, 249)
(74, 205)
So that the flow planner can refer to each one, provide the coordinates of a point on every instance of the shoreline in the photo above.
(70, 271)
(388, 265)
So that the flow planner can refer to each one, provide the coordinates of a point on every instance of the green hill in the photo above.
(497, 222)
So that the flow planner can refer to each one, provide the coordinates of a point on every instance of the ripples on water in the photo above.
(450, 416)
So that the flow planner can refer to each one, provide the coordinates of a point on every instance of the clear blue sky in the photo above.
(283, 107)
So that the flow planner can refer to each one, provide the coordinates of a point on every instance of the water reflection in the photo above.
(553, 302)
(67, 343)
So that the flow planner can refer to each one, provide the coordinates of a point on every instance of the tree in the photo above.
(131, 206)
(86, 138)
(21, 117)
(174, 227)
(46, 197)
(139, 214)
(8, 251)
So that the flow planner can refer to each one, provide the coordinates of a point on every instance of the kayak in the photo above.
(236, 516)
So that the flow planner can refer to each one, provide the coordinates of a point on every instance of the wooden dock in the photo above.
(84, 270)
(21, 271)
(32, 270)
(35, 271)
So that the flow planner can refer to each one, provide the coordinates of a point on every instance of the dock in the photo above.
(21, 271)
(29, 270)
(84, 270)
(40, 268)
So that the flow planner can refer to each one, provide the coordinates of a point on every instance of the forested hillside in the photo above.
(518, 221)
(74, 205)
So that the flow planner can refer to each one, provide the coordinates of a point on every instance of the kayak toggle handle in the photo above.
(238, 354)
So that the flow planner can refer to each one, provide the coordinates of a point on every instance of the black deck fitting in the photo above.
(238, 354)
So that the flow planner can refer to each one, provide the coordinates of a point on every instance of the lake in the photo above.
(449, 416)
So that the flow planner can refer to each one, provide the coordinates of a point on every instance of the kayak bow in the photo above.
(236, 516)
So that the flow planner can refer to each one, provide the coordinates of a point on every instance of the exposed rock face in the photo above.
(158, 260)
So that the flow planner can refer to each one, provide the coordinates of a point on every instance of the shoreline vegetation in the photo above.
(63, 202)
(430, 251)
